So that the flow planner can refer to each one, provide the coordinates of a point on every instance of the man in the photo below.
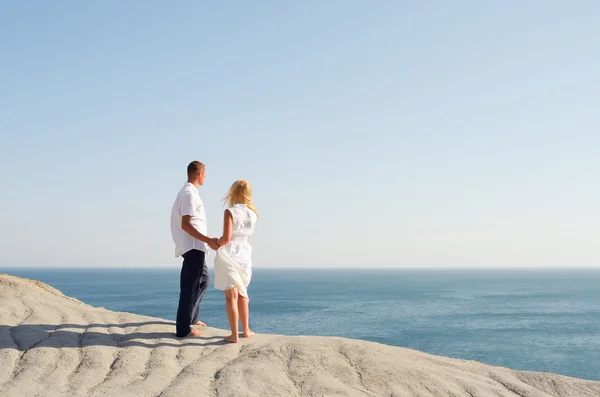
(188, 229)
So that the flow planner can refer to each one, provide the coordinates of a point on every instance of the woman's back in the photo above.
(239, 249)
(244, 221)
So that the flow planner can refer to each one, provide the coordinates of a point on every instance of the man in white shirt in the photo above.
(188, 229)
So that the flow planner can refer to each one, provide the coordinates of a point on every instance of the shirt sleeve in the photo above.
(188, 204)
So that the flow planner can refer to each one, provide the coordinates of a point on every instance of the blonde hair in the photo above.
(240, 192)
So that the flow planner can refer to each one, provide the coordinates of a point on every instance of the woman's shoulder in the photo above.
(233, 210)
(238, 207)
(229, 211)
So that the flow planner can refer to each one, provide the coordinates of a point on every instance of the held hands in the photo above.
(213, 244)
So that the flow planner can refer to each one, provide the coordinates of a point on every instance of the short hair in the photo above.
(195, 167)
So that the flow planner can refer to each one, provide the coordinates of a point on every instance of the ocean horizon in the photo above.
(538, 319)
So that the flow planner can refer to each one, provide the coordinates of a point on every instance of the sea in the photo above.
(539, 320)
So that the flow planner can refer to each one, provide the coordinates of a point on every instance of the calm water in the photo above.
(542, 320)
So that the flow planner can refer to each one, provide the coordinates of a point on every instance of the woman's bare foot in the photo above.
(194, 332)
(200, 323)
(248, 334)
(232, 339)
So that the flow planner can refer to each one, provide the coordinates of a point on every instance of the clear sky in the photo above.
(375, 133)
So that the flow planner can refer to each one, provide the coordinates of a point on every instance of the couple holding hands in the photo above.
(233, 261)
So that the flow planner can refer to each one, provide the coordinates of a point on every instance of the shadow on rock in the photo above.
(29, 336)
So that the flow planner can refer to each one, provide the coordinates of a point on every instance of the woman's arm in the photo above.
(227, 229)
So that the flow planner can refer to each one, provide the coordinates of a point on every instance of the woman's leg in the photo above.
(244, 315)
(231, 305)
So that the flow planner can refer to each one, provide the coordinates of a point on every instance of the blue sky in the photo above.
(381, 133)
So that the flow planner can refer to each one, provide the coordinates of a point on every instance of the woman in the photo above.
(233, 262)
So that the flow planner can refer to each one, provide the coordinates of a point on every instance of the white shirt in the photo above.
(188, 202)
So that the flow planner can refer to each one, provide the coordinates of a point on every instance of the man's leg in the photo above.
(191, 273)
(203, 286)
(204, 282)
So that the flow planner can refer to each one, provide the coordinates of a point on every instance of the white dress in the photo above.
(233, 262)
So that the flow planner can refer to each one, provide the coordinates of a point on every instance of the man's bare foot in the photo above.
(194, 332)
(200, 323)
(232, 339)
(248, 334)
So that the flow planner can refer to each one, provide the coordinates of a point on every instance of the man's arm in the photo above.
(186, 225)
(188, 204)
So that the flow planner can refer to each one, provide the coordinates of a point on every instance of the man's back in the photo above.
(188, 202)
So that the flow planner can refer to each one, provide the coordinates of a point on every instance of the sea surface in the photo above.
(540, 320)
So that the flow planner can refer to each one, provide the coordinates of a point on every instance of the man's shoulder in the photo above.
(188, 189)
(188, 193)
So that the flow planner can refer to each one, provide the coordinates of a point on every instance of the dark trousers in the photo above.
(192, 286)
